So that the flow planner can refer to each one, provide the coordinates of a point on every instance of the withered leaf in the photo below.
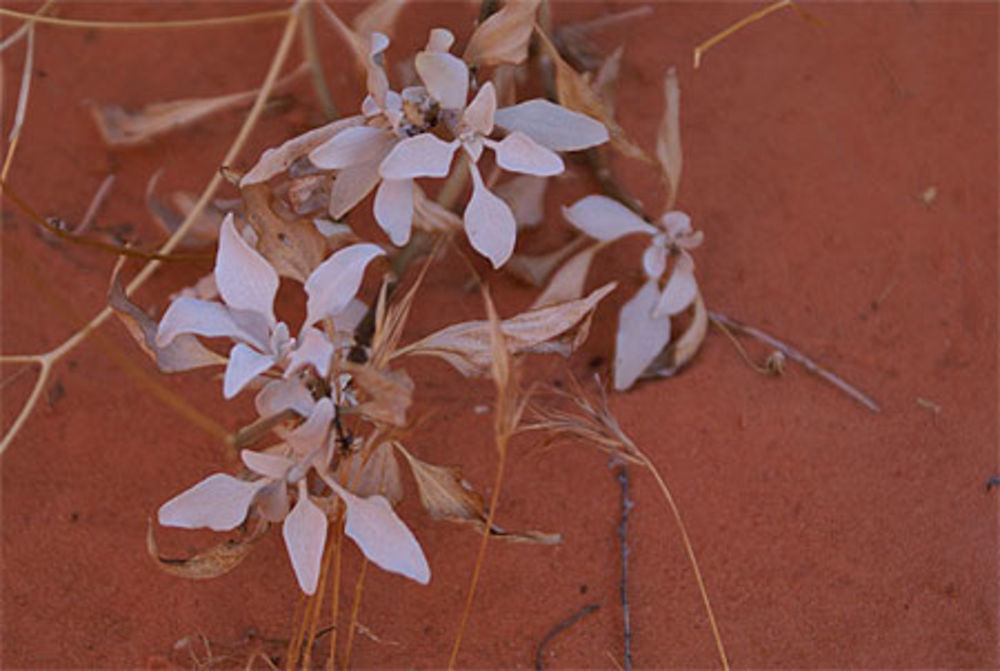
(575, 93)
(558, 328)
(680, 352)
(447, 496)
(213, 562)
(294, 248)
(668, 138)
(504, 37)
(567, 283)
(376, 474)
(389, 393)
(535, 269)
(278, 159)
(378, 17)
(123, 128)
(183, 353)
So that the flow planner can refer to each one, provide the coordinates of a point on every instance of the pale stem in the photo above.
(310, 52)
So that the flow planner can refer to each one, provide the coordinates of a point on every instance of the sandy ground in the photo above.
(829, 536)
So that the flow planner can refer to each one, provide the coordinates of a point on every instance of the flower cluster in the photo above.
(247, 285)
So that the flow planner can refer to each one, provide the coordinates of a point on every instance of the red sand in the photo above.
(828, 536)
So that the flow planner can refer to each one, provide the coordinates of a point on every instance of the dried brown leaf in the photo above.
(668, 139)
(278, 159)
(375, 472)
(567, 283)
(605, 81)
(575, 93)
(183, 353)
(123, 128)
(682, 350)
(389, 393)
(525, 194)
(535, 269)
(558, 328)
(504, 37)
(205, 229)
(378, 17)
(213, 562)
(447, 496)
(309, 194)
(294, 248)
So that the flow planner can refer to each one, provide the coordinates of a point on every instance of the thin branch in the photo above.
(739, 25)
(798, 357)
(146, 25)
(627, 504)
(558, 629)
(310, 52)
(355, 609)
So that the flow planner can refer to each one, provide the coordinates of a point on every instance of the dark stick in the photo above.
(623, 585)
(559, 628)
(798, 357)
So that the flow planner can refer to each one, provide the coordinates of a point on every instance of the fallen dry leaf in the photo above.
(278, 159)
(558, 328)
(294, 248)
(389, 393)
(213, 562)
(680, 352)
(374, 473)
(503, 38)
(575, 93)
(567, 283)
(447, 496)
(668, 138)
(123, 128)
(183, 353)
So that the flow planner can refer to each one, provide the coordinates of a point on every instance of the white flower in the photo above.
(222, 502)
(247, 285)
(395, 146)
(644, 322)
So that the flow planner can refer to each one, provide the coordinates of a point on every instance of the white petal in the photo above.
(350, 186)
(311, 435)
(478, 116)
(273, 466)
(350, 147)
(552, 125)
(245, 279)
(304, 532)
(440, 40)
(313, 350)
(676, 223)
(348, 319)
(394, 209)
(422, 155)
(446, 77)
(382, 537)
(192, 315)
(278, 395)
(489, 223)
(654, 261)
(640, 336)
(605, 219)
(681, 289)
(245, 363)
(335, 281)
(519, 153)
(219, 502)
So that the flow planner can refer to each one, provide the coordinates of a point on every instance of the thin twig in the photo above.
(310, 52)
(627, 504)
(798, 357)
(146, 25)
(355, 609)
(558, 629)
(739, 25)
(95, 204)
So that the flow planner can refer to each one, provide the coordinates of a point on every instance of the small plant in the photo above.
(451, 153)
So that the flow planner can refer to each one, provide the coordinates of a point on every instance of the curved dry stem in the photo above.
(739, 25)
(152, 25)
(277, 61)
(691, 556)
(355, 609)
(480, 558)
